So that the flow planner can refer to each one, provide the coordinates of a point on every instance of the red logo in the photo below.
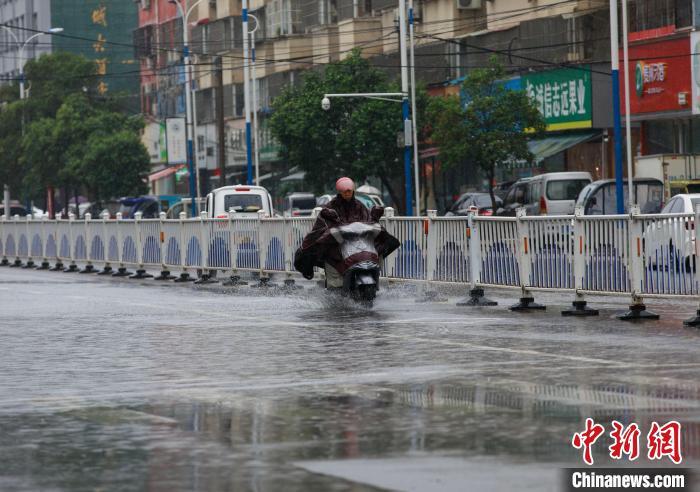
(661, 441)
(665, 441)
(587, 438)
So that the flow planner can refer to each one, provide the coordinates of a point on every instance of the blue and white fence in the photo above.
(638, 255)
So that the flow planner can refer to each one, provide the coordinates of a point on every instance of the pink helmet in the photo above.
(344, 184)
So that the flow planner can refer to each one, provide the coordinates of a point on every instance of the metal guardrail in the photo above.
(638, 255)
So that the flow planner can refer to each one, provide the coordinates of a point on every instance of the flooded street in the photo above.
(116, 384)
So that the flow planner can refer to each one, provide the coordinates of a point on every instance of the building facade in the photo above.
(23, 18)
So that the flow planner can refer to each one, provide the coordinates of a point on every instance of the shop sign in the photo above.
(660, 78)
(564, 97)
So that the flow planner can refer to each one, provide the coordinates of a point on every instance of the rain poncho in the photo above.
(319, 246)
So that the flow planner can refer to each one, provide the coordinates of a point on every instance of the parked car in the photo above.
(244, 200)
(323, 200)
(15, 209)
(600, 197)
(546, 194)
(670, 242)
(299, 204)
(183, 205)
(501, 189)
(149, 207)
(469, 201)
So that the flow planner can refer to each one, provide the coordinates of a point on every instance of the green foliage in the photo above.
(63, 135)
(492, 129)
(356, 137)
(50, 79)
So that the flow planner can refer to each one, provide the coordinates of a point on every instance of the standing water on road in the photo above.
(114, 384)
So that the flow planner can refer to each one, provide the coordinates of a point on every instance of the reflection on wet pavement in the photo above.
(116, 385)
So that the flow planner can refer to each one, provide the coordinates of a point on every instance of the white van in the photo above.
(546, 194)
(245, 201)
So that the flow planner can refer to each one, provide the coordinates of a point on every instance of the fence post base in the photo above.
(4, 262)
(107, 270)
(165, 275)
(30, 264)
(184, 277)
(637, 311)
(431, 296)
(16, 264)
(205, 279)
(57, 268)
(527, 303)
(141, 273)
(45, 265)
(477, 298)
(121, 272)
(89, 268)
(694, 321)
(290, 284)
(233, 280)
(579, 308)
(72, 268)
(263, 283)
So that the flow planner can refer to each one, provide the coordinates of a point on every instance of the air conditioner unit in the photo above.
(468, 4)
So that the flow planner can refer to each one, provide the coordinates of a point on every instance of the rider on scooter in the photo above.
(341, 210)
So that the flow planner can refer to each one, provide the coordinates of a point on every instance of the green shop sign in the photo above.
(563, 96)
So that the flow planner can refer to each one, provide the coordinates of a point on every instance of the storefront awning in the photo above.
(549, 146)
(164, 173)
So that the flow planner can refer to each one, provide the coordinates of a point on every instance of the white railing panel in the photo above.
(272, 239)
(217, 238)
(499, 251)
(551, 250)
(149, 241)
(172, 243)
(409, 261)
(246, 243)
(606, 253)
(668, 252)
(452, 249)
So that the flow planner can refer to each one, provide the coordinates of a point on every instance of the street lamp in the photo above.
(21, 47)
(255, 100)
(189, 117)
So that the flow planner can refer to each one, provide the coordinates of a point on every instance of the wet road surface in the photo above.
(116, 384)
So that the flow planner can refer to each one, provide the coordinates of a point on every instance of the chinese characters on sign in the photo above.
(649, 76)
(99, 17)
(662, 441)
(562, 96)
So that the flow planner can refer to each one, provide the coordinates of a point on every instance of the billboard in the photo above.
(176, 140)
(563, 96)
(660, 76)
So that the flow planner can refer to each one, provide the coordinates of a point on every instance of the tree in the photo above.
(356, 137)
(87, 145)
(492, 128)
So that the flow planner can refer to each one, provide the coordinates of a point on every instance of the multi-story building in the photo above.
(23, 17)
(567, 41)
(97, 29)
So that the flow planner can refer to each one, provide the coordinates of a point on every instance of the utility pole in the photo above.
(189, 113)
(407, 131)
(246, 91)
(221, 129)
(617, 125)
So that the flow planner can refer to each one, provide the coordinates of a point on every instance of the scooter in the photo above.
(360, 267)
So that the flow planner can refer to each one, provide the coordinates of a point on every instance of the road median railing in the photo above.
(634, 255)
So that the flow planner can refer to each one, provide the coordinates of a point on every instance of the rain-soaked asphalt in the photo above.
(115, 384)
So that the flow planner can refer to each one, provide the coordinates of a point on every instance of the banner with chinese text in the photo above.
(563, 96)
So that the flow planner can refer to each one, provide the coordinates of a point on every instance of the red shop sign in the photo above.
(659, 73)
